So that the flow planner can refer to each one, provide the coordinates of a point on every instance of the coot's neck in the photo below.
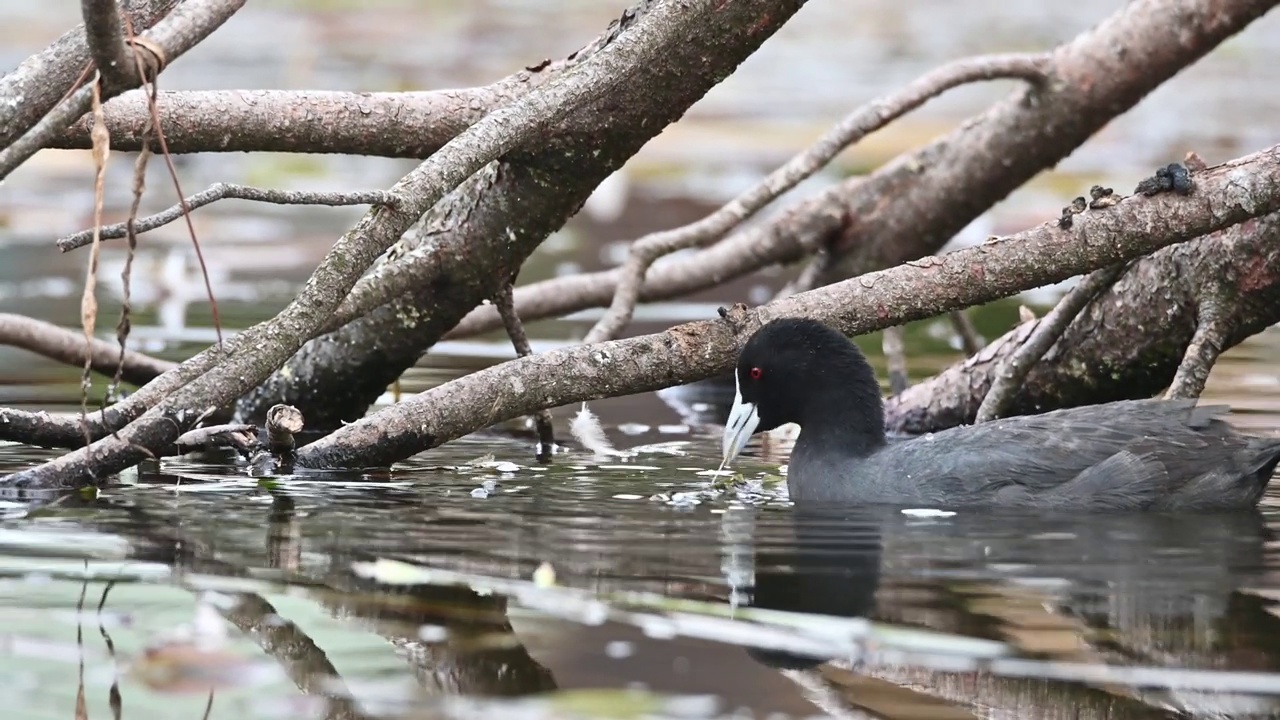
(844, 411)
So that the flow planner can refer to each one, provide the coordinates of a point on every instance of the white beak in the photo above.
(743, 420)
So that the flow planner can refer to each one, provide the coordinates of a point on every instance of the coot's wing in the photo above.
(1117, 450)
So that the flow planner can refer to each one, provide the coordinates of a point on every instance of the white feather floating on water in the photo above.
(586, 429)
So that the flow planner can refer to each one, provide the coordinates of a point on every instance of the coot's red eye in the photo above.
(756, 373)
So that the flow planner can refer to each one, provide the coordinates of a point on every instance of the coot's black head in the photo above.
(795, 370)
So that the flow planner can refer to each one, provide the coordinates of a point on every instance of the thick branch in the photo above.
(898, 212)
(1126, 344)
(30, 91)
(857, 125)
(391, 124)
(67, 346)
(1225, 195)
(226, 191)
(178, 32)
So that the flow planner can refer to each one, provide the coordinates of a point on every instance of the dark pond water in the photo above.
(472, 582)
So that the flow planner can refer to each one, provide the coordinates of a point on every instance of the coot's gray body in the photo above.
(1128, 455)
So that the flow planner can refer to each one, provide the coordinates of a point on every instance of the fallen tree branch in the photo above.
(44, 79)
(855, 126)
(483, 232)
(229, 191)
(639, 41)
(384, 124)
(68, 346)
(184, 27)
(1225, 195)
(1129, 342)
(1013, 371)
(898, 212)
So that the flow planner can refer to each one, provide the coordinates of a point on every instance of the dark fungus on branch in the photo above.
(1172, 177)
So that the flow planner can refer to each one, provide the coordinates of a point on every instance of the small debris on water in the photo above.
(928, 512)
(432, 633)
(545, 575)
(619, 649)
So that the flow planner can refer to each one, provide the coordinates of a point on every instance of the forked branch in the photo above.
(852, 128)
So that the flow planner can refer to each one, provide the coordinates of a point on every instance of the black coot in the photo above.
(1128, 455)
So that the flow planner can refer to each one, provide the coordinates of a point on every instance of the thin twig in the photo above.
(1213, 328)
(515, 330)
(104, 36)
(895, 356)
(855, 126)
(228, 191)
(970, 340)
(1014, 370)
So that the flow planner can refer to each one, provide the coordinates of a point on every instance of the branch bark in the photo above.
(483, 232)
(389, 124)
(1225, 195)
(915, 204)
(637, 49)
(42, 80)
(1126, 344)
